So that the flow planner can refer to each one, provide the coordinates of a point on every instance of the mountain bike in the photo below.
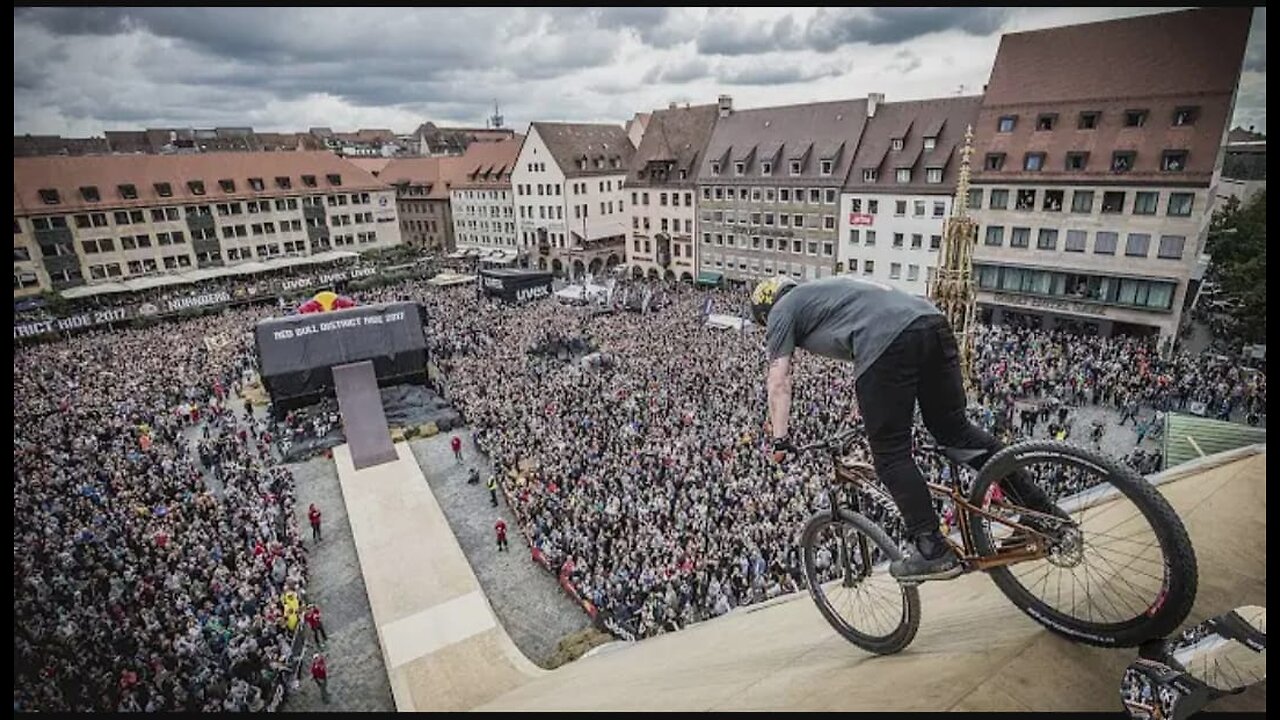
(1116, 571)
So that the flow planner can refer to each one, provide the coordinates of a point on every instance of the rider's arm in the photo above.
(779, 387)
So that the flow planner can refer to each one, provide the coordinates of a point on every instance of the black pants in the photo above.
(923, 365)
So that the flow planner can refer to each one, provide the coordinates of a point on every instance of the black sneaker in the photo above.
(929, 558)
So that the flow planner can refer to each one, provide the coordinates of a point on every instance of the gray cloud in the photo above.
(723, 34)
(692, 68)
(832, 28)
(774, 73)
(1255, 58)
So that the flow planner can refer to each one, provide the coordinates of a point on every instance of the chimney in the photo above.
(874, 101)
(726, 106)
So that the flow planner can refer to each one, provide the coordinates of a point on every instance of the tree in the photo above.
(1238, 245)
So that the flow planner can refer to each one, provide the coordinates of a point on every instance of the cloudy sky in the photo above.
(79, 71)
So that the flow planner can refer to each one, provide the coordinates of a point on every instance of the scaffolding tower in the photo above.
(952, 289)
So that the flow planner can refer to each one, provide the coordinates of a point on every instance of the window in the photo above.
(1088, 120)
(766, 168)
(1173, 160)
(310, 181)
(1020, 238)
(1046, 121)
(1075, 240)
(121, 217)
(930, 143)
(1113, 202)
(90, 193)
(1180, 204)
(795, 167)
(1005, 123)
(815, 195)
(1033, 161)
(917, 241)
(1171, 247)
(1048, 239)
(797, 221)
(825, 167)
(1026, 200)
(918, 208)
(868, 267)
(913, 273)
(227, 186)
(935, 242)
(1122, 160)
(1137, 245)
(49, 196)
(895, 271)
(89, 247)
(768, 218)
(1185, 116)
(871, 238)
(82, 221)
(256, 184)
(1145, 203)
(334, 179)
(1135, 118)
(157, 214)
(897, 240)
(109, 245)
(829, 196)
(1082, 201)
(895, 144)
(715, 168)
(1077, 161)
(933, 175)
(1105, 243)
(903, 175)
(995, 236)
(853, 265)
(873, 207)
(854, 235)
(994, 161)
(739, 168)
(196, 187)
(999, 199)
(869, 175)
(900, 208)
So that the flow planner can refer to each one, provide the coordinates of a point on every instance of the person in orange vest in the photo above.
(500, 528)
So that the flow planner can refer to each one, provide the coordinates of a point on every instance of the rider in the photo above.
(904, 352)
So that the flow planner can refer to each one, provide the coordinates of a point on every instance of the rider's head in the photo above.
(766, 294)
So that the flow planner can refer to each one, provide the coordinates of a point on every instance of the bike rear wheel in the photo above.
(1122, 572)
(846, 564)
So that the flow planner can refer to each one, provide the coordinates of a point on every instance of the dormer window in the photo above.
(309, 180)
(128, 191)
(715, 168)
(930, 143)
(613, 162)
(49, 196)
(1122, 161)
(90, 193)
(1046, 122)
(895, 144)
(739, 168)
(1088, 120)
(933, 175)
(334, 179)
(766, 168)
(1135, 118)
(228, 186)
(1184, 116)
(684, 174)
(869, 175)
(903, 175)
(825, 167)
(1173, 160)
(164, 189)
(795, 167)
(257, 184)
(582, 163)
(994, 161)
(196, 187)
(1006, 123)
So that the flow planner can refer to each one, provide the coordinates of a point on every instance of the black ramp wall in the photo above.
(296, 354)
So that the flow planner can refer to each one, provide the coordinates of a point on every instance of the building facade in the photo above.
(423, 189)
(1097, 151)
(101, 219)
(482, 203)
(662, 192)
(899, 192)
(769, 188)
(571, 214)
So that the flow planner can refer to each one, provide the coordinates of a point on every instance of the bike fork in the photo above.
(851, 574)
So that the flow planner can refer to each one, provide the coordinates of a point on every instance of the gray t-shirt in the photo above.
(842, 318)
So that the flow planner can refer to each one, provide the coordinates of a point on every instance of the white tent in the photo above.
(727, 322)
(583, 293)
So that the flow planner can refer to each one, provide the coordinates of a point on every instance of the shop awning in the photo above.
(710, 277)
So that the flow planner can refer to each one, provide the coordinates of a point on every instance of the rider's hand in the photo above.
(781, 450)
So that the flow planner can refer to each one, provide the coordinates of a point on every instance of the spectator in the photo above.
(313, 620)
(320, 673)
(500, 528)
(456, 443)
(313, 514)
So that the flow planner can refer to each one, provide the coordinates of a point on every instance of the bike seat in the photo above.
(961, 455)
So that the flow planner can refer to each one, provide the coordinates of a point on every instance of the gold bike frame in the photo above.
(863, 476)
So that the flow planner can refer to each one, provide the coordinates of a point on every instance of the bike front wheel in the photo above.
(1119, 568)
(846, 565)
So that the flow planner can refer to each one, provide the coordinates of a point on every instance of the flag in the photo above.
(644, 306)
(706, 307)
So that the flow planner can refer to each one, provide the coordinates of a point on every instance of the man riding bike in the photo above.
(904, 351)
